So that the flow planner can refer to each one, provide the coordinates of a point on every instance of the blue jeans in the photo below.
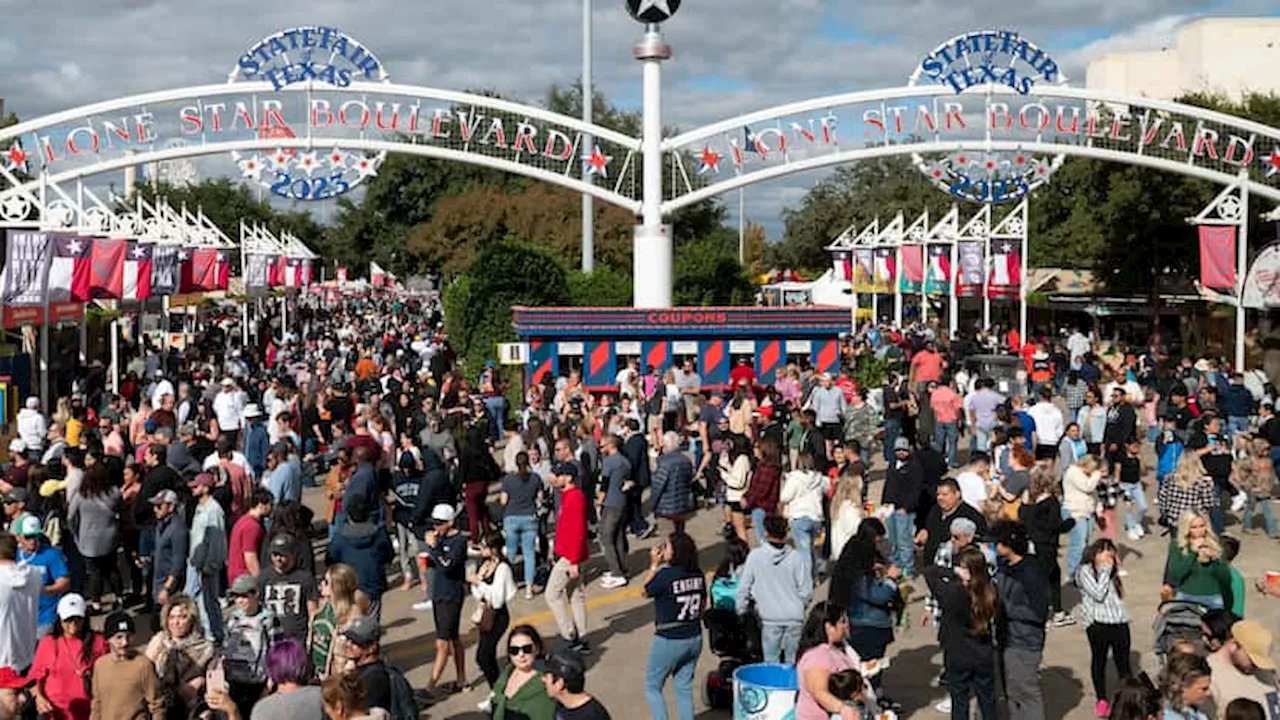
(803, 533)
(902, 539)
(1077, 541)
(778, 639)
(1237, 424)
(521, 532)
(1213, 602)
(892, 430)
(676, 659)
(1268, 514)
(496, 405)
(757, 523)
(946, 438)
(1135, 513)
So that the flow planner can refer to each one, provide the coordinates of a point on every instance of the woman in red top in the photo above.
(766, 483)
(63, 662)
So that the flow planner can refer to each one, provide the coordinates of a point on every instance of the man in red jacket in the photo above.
(565, 594)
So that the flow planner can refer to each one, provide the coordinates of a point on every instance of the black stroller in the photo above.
(735, 640)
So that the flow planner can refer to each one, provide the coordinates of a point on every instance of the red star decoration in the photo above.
(17, 156)
(1272, 162)
(1020, 160)
(597, 162)
(710, 160)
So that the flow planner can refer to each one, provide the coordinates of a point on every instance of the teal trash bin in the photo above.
(765, 691)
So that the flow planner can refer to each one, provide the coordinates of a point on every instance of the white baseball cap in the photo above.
(71, 606)
(443, 513)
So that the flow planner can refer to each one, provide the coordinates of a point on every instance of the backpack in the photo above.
(1167, 463)
(404, 703)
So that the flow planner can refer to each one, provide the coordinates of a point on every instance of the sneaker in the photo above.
(1133, 535)
(1238, 501)
(580, 647)
(423, 605)
(528, 593)
(1142, 532)
(649, 531)
(944, 707)
(609, 582)
(1063, 619)
(1102, 709)
(485, 706)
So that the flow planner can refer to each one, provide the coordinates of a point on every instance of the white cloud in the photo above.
(1156, 34)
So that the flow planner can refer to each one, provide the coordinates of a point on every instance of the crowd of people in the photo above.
(176, 502)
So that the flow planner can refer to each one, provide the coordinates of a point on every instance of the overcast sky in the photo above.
(731, 56)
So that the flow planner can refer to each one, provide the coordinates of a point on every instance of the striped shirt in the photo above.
(1099, 601)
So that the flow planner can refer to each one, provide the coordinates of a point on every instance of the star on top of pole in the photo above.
(652, 11)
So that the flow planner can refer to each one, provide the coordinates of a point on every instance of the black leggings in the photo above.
(1104, 637)
(1053, 573)
(487, 645)
(100, 571)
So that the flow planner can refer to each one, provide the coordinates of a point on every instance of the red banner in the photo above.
(1218, 256)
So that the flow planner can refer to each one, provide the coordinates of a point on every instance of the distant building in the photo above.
(1227, 56)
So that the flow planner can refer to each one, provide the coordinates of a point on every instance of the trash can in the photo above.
(765, 691)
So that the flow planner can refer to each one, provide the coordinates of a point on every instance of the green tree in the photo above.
(505, 274)
(708, 273)
(605, 287)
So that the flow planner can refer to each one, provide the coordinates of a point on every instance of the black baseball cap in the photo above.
(565, 666)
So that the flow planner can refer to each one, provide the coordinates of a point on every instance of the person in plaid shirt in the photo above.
(1073, 391)
(963, 534)
(1189, 488)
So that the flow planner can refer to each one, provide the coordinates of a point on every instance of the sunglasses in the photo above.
(518, 650)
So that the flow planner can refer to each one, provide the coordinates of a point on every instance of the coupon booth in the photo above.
(599, 342)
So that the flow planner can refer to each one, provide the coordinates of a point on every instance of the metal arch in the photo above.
(555, 178)
(356, 90)
(879, 151)
(919, 91)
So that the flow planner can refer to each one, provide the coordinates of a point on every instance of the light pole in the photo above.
(652, 253)
(588, 100)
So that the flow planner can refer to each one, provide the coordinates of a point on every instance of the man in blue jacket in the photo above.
(366, 548)
(1237, 404)
(672, 491)
(363, 484)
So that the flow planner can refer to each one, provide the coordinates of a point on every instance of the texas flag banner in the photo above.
(68, 252)
(166, 271)
(864, 268)
(886, 270)
(912, 268)
(1218, 257)
(203, 270)
(137, 271)
(1006, 270)
(292, 272)
(969, 282)
(308, 271)
(842, 265)
(938, 274)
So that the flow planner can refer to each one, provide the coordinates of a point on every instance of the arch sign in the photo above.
(310, 113)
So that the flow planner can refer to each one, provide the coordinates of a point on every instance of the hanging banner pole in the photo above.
(244, 317)
(897, 286)
(1022, 289)
(953, 322)
(1242, 269)
(986, 273)
(115, 356)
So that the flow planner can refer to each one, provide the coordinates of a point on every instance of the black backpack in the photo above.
(404, 703)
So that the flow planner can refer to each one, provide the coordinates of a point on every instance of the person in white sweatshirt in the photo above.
(493, 585)
(32, 427)
(801, 494)
(1079, 501)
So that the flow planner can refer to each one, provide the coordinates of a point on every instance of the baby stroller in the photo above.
(1177, 621)
(735, 639)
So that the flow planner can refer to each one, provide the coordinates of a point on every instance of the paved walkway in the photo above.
(621, 623)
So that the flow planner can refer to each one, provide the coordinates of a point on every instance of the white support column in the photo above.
(1242, 269)
(953, 322)
(115, 356)
(166, 321)
(875, 305)
(897, 286)
(83, 341)
(284, 316)
(652, 254)
(1022, 290)
(986, 273)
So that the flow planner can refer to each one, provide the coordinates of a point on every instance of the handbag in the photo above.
(482, 618)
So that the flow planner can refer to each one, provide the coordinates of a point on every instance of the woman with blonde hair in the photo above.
(846, 507)
(1080, 502)
(181, 654)
(1196, 571)
(1189, 489)
(343, 604)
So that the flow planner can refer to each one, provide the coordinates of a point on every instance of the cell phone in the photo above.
(216, 681)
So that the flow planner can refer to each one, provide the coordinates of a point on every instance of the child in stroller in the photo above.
(733, 638)
(1178, 622)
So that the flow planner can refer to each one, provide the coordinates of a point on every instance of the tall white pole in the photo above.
(1242, 260)
(165, 314)
(115, 356)
(742, 229)
(853, 286)
(924, 285)
(284, 316)
(953, 322)
(588, 142)
(652, 254)
(986, 272)
(897, 286)
(1022, 287)
(875, 305)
